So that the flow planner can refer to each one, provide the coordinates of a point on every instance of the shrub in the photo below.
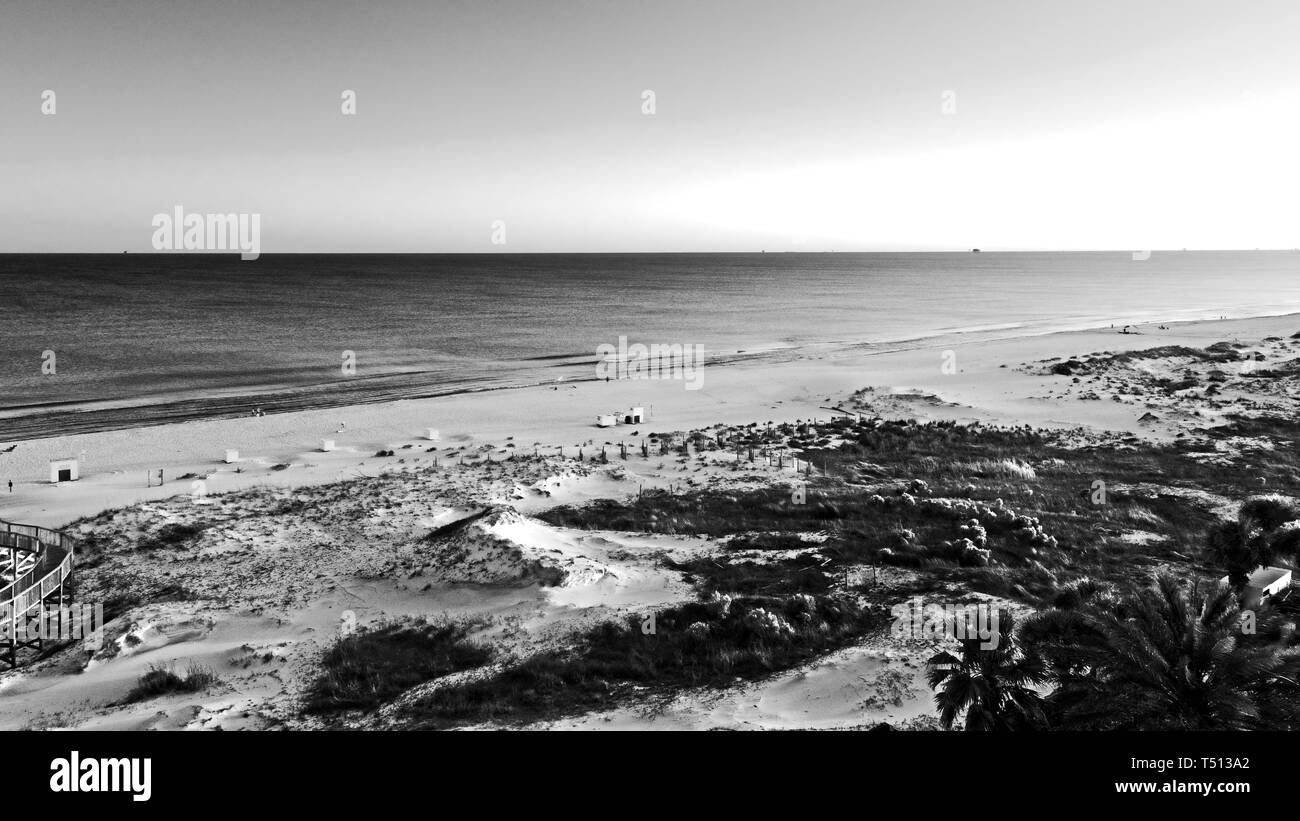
(162, 680)
(172, 535)
(710, 642)
(367, 669)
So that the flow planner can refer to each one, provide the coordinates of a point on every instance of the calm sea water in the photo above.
(150, 328)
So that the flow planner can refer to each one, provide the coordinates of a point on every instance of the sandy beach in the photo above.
(988, 385)
(297, 537)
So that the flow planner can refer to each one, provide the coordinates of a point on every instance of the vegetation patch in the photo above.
(711, 642)
(163, 680)
(1169, 656)
(1006, 511)
(172, 536)
(371, 667)
(726, 574)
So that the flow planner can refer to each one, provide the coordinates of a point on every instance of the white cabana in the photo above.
(64, 470)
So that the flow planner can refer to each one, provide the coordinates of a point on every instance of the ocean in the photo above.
(165, 336)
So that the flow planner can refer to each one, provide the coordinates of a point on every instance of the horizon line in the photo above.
(761, 251)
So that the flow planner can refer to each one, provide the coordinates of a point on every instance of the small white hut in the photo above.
(326, 445)
(431, 434)
(606, 420)
(63, 470)
(634, 417)
(232, 456)
(1262, 585)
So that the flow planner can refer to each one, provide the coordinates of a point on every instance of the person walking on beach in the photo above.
(11, 485)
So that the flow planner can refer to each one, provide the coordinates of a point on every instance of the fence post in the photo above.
(13, 610)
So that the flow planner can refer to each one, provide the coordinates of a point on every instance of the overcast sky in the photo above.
(810, 125)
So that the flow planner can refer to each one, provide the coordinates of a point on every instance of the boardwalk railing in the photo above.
(53, 550)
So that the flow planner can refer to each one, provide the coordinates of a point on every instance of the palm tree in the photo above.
(1057, 633)
(1171, 658)
(992, 686)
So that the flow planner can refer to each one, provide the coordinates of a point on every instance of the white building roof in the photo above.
(1266, 577)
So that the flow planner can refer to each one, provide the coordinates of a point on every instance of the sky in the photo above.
(809, 125)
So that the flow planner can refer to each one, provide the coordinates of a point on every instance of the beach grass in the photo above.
(905, 493)
(371, 667)
(711, 642)
(163, 680)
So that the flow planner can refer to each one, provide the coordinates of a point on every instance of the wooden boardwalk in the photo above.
(36, 564)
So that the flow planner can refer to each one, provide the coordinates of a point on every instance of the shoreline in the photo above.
(27, 423)
(285, 449)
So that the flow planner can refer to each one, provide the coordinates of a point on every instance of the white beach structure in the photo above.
(326, 445)
(232, 456)
(1263, 583)
(431, 434)
(633, 416)
(64, 470)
